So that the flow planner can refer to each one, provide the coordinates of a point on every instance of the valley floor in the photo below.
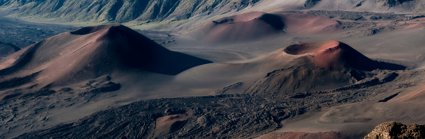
(193, 103)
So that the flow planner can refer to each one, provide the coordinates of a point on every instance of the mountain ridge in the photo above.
(140, 12)
(124, 11)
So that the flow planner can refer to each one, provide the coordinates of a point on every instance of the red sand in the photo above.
(306, 24)
(242, 27)
(259, 24)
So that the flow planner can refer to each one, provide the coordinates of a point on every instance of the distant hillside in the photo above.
(371, 5)
(145, 11)
(123, 10)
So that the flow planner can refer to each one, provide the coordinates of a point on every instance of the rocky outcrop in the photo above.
(394, 130)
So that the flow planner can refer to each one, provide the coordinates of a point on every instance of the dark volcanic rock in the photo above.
(394, 130)
(393, 3)
(224, 116)
(311, 3)
(199, 117)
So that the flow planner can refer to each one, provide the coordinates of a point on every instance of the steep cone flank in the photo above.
(137, 51)
(93, 51)
(323, 66)
(334, 53)
(88, 30)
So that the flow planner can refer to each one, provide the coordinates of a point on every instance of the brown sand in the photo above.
(302, 135)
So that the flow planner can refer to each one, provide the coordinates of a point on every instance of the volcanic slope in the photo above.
(89, 53)
(124, 10)
(406, 6)
(373, 5)
(223, 115)
(323, 66)
(138, 12)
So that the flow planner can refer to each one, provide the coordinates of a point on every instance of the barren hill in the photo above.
(322, 66)
(255, 25)
(88, 53)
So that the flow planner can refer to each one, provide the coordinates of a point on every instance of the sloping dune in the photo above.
(241, 27)
(91, 52)
(307, 24)
(254, 25)
(416, 95)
